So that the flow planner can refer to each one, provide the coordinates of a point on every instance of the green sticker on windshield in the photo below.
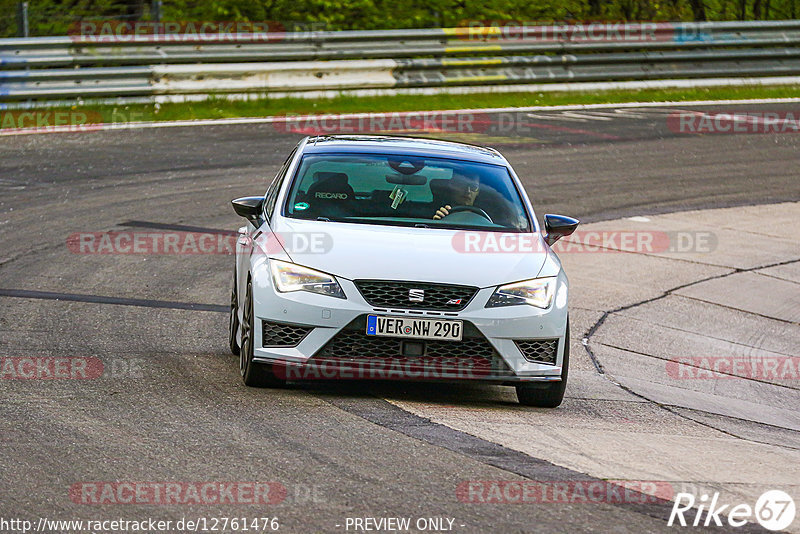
(398, 198)
(300, 206)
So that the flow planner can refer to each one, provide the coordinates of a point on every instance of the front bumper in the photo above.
(488, 352)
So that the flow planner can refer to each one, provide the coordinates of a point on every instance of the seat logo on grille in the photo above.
(416, 295)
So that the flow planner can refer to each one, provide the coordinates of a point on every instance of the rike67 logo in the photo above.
(774, 510)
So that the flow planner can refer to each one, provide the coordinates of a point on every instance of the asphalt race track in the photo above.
(169, 405)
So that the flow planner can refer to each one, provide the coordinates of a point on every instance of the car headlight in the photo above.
(535, 292)
(290, 277)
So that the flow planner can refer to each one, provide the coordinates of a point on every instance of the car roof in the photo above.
(408, 146)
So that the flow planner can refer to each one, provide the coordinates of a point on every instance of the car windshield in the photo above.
(406, 191)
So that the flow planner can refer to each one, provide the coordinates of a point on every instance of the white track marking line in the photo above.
(553, 117)
(662, 111)
(620, 114)
(584, 116)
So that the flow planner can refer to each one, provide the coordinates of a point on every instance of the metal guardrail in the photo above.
(89, 66)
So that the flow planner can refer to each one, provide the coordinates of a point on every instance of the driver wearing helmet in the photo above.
(463, 190)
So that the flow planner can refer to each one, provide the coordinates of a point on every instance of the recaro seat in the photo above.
(330, 196)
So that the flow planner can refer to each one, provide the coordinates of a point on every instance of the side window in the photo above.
(275, 187)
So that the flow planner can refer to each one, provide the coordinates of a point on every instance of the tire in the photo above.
(546, 395)
(254, 374)
(233, 323)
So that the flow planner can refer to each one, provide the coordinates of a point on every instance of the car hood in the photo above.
(356, 251)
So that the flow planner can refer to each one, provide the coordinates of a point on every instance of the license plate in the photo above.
(443, 329)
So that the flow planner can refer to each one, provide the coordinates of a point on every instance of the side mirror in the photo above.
(558, 226)
(250, 208)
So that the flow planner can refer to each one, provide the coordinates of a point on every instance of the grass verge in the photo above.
(346, 104)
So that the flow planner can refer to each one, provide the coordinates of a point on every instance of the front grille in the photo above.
(391, 294)
(352, 344)
(282, 335)
(473, 357)
(538, 350)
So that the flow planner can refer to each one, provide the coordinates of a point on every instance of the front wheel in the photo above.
(547, 395)
(254, 374)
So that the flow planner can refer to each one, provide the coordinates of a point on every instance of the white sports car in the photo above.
(404, 259)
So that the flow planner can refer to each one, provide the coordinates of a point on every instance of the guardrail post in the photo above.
(155, 10)
(22, 20)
